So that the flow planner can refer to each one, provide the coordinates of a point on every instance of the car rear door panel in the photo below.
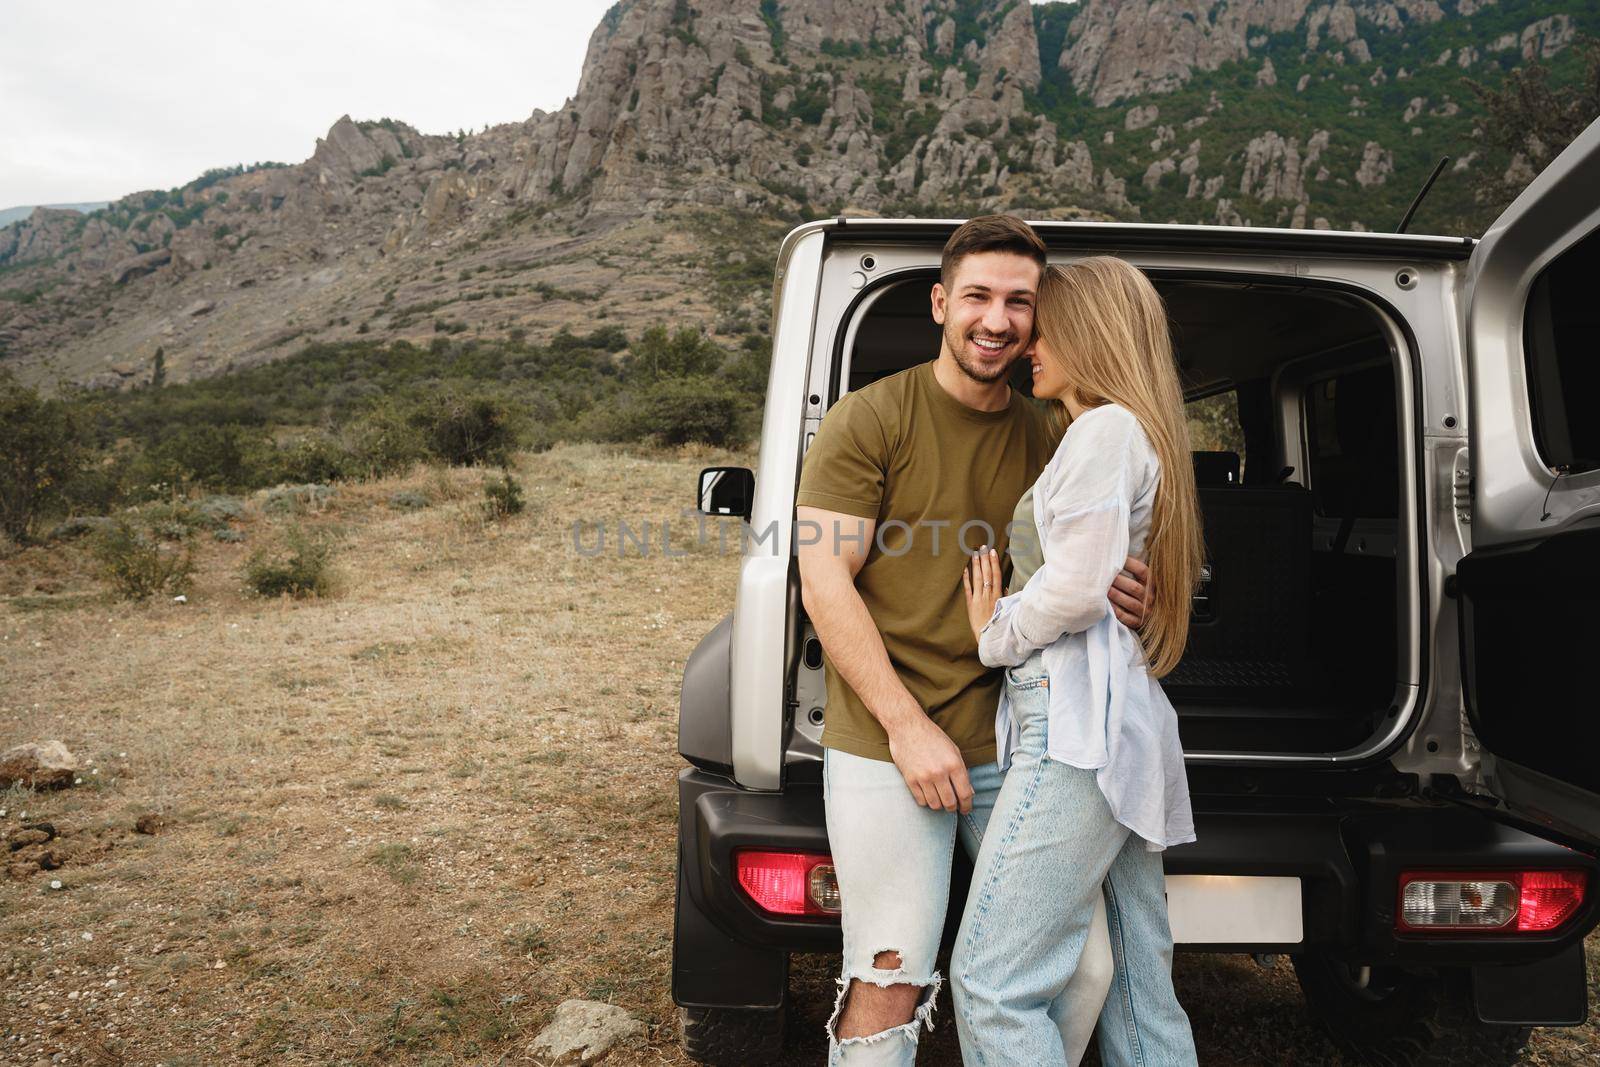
(1528, 590)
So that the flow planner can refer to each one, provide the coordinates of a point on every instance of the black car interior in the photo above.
(1293, 636)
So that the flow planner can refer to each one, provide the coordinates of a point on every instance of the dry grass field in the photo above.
(402, 823)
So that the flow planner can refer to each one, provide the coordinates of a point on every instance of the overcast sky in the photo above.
(100, 98)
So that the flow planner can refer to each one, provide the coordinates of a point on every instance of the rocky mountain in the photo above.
(701, 128)
(16, 214)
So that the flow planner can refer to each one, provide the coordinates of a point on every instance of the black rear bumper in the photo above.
(729, 953)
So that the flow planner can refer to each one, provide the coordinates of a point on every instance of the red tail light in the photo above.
(1549, 898)
(1524, 902)
(788, 883)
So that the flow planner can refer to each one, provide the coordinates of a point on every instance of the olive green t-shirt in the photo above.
(1026, 553)
(927, 468)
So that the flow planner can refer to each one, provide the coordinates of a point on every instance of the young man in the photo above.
(905, 479)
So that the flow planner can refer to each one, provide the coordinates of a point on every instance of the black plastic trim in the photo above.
(1448, 788)
(711, 968)
(716, 817)
(705, 702)
(1111, 237)
(1387, 843)
(1348, 857)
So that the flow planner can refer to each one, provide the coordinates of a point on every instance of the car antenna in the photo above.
(1412, 210)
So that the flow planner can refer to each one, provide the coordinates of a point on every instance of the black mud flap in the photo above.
(1551, 992)
(712, 970)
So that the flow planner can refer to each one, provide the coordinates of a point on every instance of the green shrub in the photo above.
(296, 499)
(611, 420)
(467, 429)
(170, 520)
(219, 510)
(382, 440)
(539, 437)
(138, 565)
(657, 355)
(98, 486)
(299, 565)
(380, 169)
(206, 455)
(76, 526)
(680, 410)
(408, 500)
(603, 339)
(39, 456)
(502, 497)
(318, 458)
(748, 370)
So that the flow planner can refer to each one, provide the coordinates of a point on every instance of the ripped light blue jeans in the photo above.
(1052, 852)
(893, 861)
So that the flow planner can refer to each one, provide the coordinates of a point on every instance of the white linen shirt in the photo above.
(1092, 506)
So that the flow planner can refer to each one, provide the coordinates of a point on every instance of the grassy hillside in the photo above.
(351, 412)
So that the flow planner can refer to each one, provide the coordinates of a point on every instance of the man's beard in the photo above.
(957, 344)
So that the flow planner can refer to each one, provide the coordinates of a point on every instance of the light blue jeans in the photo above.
(893, 861)
(1052, 851)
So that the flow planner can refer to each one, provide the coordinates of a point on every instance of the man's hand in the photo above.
(931, 764)
(1130, 593)
(981, 578)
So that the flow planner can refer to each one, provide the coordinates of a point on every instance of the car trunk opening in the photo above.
(1296, 408)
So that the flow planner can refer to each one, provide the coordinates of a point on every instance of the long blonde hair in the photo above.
(1106, 328)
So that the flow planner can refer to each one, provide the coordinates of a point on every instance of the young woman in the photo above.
(1096, 786)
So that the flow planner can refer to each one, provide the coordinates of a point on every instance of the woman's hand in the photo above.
(1130, 593)
(981, 577)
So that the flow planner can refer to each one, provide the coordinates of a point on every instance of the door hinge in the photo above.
(1461, 489)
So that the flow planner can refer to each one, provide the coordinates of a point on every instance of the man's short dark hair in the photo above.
(990, 233)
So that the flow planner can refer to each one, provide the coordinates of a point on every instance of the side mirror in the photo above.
(727, 491)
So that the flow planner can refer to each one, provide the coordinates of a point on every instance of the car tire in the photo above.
(1402, 1018)
(732, 1037)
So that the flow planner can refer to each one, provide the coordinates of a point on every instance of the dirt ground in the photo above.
(403, 823)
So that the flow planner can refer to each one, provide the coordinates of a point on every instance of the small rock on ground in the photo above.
(42, 765)
(37, 834)
(584, 1032)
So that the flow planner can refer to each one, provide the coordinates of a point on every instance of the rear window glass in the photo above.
(1217, 438)
(1562, 339)
(1355, 460)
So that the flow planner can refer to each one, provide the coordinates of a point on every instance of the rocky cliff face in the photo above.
(703, 102)
(1280, 112)
(1117, 50)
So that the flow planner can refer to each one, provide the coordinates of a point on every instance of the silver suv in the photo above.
(1396, 781)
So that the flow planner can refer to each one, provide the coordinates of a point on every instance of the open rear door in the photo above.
(1530, 587)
